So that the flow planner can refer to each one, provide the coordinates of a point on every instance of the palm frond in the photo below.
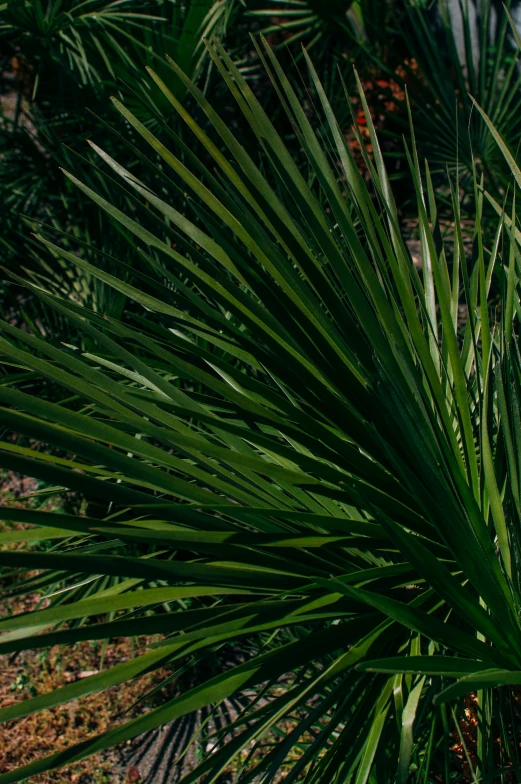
(297, 439)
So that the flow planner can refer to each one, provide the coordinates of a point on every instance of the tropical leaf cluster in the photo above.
(456, 54)
(61, 63)
(290, 442)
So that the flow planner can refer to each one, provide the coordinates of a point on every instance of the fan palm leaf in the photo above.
(297, 441)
